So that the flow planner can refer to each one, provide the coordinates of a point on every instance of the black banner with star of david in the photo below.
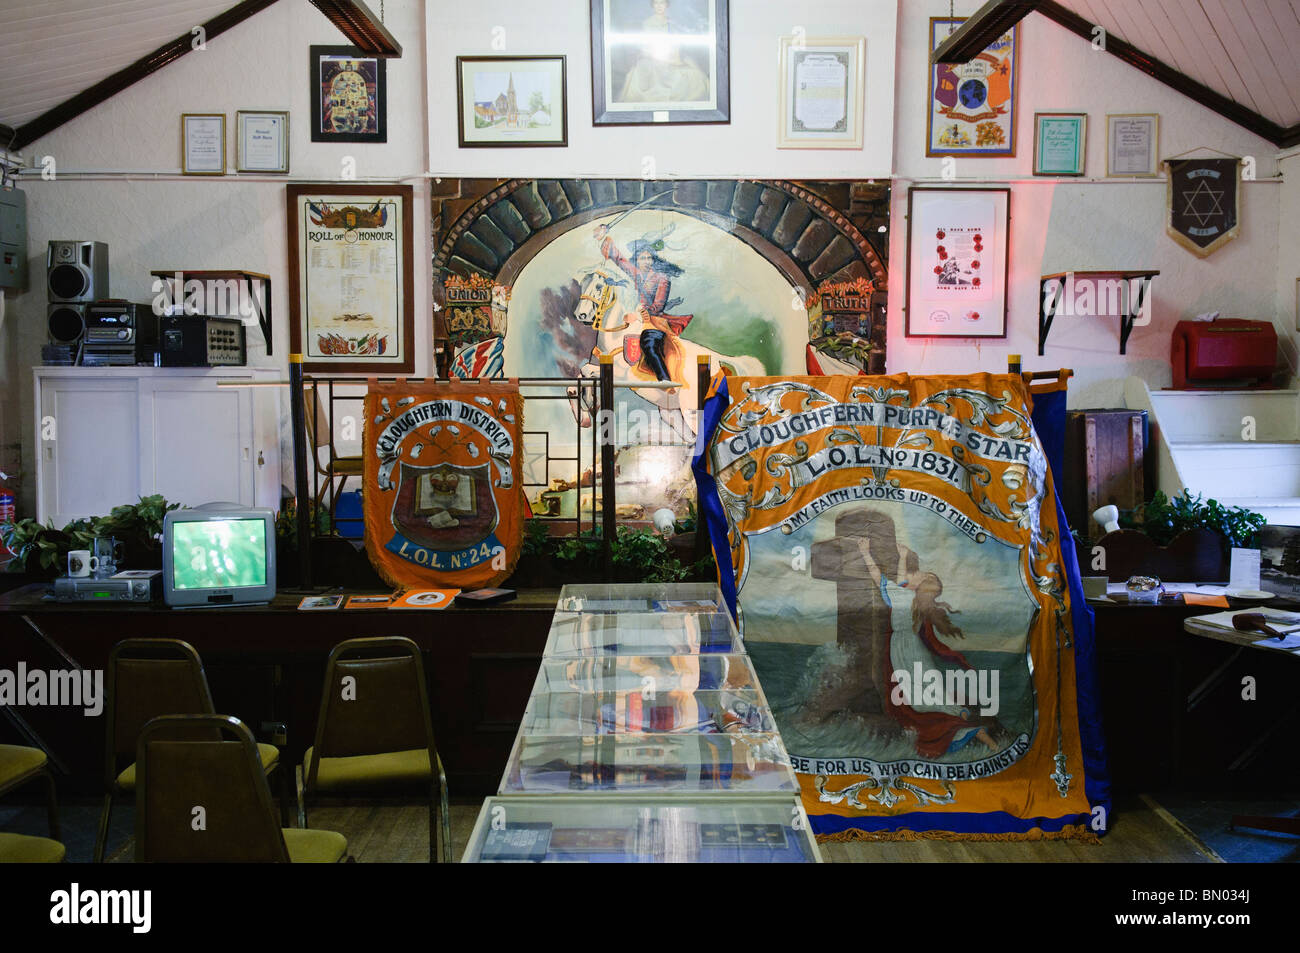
(1203, 202)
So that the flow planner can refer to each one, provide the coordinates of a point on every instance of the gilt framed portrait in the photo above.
(659, 62)
(349, 95)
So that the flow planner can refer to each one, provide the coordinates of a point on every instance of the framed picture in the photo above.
(203, 144)
(511, 101)
(972, 106)
(262, 141)
(351, 283)
(957, 241)
(656, 61)
(1060, 143)
(821, 95)
(349, 95)
(1133, 144)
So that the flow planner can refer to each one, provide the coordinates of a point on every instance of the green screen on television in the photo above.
(218, 554)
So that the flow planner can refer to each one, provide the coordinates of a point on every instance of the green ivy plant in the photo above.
(42, 548)
(1162, 518)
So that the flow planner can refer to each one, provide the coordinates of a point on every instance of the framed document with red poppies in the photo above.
(957, 242)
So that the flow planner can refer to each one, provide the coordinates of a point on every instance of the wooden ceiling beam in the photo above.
(89, 98)
(1198, 92)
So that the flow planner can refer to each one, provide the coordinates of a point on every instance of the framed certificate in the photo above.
(262, 141)
(1133, 144)
(821, 92)
(1060, 143)
(203, 144)
(957, 241)
(351, 280)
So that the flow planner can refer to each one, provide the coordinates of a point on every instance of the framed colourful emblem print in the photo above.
(350, 277)
(972, 106)
(349, 95)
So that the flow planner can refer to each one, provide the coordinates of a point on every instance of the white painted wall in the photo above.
(745, 147)
(153, 218)
(1288, 249)
(1063, 224)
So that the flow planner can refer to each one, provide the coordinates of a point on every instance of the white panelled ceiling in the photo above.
(51, 50)
(1247, 50)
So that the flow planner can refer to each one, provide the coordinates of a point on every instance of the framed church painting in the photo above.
(511, 101)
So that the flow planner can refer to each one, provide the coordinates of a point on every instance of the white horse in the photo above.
(608, 303)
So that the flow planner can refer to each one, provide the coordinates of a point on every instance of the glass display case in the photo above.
(646, 673)
(647, 738)
(646, 711)
(691, 763)
(642, 597)
(582, 634)
(650, 830)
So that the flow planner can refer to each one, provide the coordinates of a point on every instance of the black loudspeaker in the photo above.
(66, 321)
(76, 271)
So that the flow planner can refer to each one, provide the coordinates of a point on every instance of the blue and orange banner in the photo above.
(893, 549)
(444, 504)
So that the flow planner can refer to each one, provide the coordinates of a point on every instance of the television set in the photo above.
(218, 554)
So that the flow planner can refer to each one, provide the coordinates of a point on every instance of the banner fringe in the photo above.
(1075, 832)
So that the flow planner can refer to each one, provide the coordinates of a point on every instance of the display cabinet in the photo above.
(651, 830)
(646, 673)
(650, 710)
(641, 763)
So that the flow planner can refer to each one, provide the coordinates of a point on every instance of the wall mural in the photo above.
(539, 278)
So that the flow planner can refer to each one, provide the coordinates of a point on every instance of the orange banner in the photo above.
(444, 504)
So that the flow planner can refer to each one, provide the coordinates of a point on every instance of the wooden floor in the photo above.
(1142, 834)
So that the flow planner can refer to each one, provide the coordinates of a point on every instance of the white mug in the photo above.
(81, 564)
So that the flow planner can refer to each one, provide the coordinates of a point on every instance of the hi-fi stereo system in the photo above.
(88, 327)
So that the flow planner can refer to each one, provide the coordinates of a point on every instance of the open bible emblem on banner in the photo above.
(1202, 200)
(443, 504)
(895, 548)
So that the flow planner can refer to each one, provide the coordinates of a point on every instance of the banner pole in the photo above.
(703, 375)
(297, 412)
(604, 421)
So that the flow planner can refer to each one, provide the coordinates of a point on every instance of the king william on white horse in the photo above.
(629, 312)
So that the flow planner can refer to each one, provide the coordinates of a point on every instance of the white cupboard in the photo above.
(109, 435)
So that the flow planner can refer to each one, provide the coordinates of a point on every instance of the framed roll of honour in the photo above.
(351, 287)
(957, 241)
(821, 92)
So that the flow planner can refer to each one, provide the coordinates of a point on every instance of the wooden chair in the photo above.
(202, 798)
(148, 678)
(20, 765)
(374, 730)
(320, 434)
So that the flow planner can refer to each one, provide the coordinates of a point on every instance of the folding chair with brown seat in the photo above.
(202, 798)
(320, 434)
(18, 766)
(148, 678)
(374, 730)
